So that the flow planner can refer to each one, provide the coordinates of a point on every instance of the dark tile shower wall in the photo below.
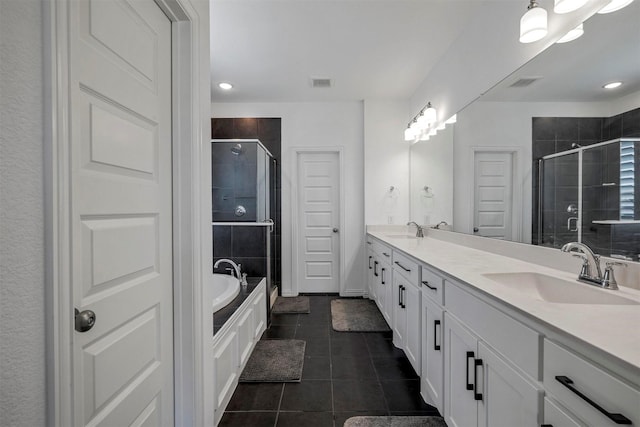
(552, 135)
(244, 243)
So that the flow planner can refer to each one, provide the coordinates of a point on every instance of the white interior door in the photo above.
(319, 222)
(493, 194)
(121, 225)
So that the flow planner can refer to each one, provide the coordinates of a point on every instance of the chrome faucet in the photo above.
(236, 267)
(419, 232)
(590, 262)
(437, 226)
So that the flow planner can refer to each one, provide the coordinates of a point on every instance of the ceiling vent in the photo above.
(525, 81)
(320, 83)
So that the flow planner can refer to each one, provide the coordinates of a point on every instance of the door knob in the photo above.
(475, 229)
(335, 230)
(84, 320)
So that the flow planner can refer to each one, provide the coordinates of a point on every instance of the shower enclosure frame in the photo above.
(580, 152)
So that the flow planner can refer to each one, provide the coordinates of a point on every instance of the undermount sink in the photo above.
(401, 236)
(553, 289)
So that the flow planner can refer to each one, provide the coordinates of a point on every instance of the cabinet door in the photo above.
(399, 325)
(259, 315)
(411, 300)
(389, 300)
(460, 406)
(383, 282)
(371, 282)
(556, 416)
(508, 399)
(432, 378)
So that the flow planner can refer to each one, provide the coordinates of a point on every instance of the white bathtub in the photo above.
(223, 289)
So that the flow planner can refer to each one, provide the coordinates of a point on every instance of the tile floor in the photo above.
(345, 374)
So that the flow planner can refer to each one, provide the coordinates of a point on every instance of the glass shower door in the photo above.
(560, 209)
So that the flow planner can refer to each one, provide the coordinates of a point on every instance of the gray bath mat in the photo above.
(291, 305)
(395, 422)
(357, 315)
(275, 361)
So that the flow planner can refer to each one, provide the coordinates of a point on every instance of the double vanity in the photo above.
(501, 341)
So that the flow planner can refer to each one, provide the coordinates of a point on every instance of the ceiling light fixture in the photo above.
(612, 85)
(566, 6)
(615, 5)
(572, 35)
(533, 24)
(225, 86)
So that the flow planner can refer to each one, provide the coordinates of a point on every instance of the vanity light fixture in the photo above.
(533, 24)
(566, 6)
(421, 123)
(615, 5)
(612, 85)
(572, 35)
(430, 114)
(225, 86)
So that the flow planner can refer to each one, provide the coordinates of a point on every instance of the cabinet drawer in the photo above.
(381, 249)
(556, 416)
(515, 341)
(406, 266)
(567, 376)
(432, 285)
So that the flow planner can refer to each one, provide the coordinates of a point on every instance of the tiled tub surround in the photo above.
(522, 346)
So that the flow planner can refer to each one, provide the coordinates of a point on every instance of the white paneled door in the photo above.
(121, 224)
(319, 222)
(493, 194)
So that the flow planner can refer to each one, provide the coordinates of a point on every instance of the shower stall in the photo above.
(591, 194)
(244, 206)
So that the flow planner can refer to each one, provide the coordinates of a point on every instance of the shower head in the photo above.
(237, 149)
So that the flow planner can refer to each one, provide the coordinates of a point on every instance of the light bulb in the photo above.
(533, 24)
(430, 114)
(572, 35)
(566, 6)
(615, 5)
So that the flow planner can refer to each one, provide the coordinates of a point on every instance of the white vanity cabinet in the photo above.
(592, 395)
(406, 308)
(491, 365)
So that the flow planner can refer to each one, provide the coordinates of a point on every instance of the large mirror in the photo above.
(525, 161)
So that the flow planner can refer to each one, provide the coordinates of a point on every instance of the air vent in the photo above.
(320, 83)
(525, 81)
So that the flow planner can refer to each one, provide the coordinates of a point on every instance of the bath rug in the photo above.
(357, 315)
(397, 421)
(275, 361)
(291, 305)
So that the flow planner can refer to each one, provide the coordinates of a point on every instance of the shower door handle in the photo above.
(572, 218)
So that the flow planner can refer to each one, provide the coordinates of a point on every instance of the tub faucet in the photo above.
(419, 232)
(590, 262)
(236, 267)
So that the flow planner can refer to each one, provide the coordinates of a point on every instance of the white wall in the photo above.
(432, 166)
(22, 291)
(504, 124)
(318, 125)
(386, 161)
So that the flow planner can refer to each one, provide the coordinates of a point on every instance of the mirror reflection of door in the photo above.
(493, 194)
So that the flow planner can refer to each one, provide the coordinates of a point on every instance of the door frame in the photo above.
(295, 224)
(517, 186)
(190, 126)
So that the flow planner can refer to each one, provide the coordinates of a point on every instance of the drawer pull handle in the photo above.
(383, 269)
(402, 288)
(369, 243)
(616, 418)
(546, 425)
(400, 295)
(370, 262)
(469, 356)
(375, 268)
(433, 288)
(476, 363)
(403, 267)
(436, 323)
(386, 254)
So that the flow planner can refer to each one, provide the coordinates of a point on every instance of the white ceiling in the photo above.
(608, 51)
(371, 49)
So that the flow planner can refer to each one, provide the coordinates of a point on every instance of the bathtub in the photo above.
(223, 288)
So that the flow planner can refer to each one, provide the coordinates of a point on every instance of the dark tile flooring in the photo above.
(345, 374)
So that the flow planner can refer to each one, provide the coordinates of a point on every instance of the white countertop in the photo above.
(613, 329)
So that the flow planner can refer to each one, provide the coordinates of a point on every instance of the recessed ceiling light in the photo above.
(225, 86)
(612, 85)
